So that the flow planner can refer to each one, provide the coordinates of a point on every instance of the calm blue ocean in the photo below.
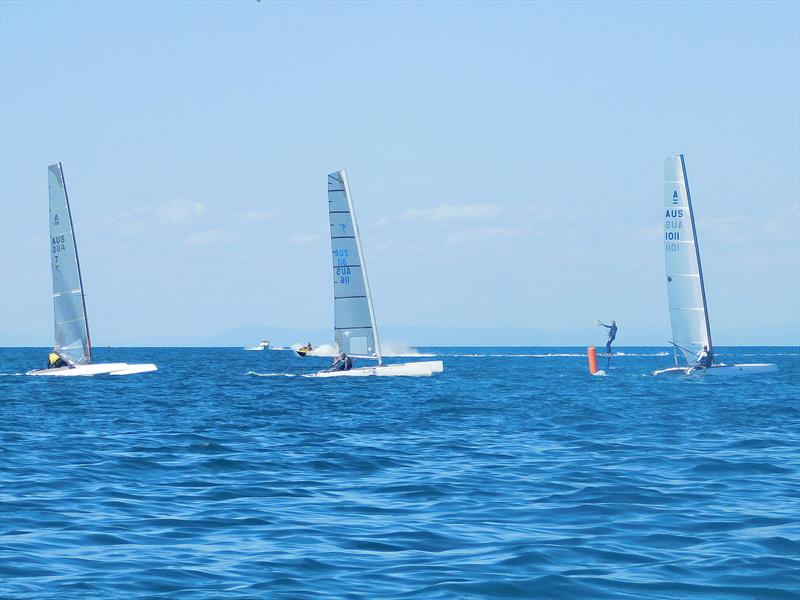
(513, 474)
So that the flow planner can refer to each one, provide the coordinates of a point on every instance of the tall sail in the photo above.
(685, 288)
(353, 316)
(71, 326)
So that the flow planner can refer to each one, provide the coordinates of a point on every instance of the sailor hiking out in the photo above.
(56, 361)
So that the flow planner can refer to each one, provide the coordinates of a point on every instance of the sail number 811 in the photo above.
(340, 256)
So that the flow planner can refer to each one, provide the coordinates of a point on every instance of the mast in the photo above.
(697, 251)
(77, 261)
(357, 235)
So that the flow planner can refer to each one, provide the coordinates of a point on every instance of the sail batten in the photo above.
(355, 330)
(69, 307)
(684, 275)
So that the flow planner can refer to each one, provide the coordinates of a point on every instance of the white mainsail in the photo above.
(685, 288)
(69, 308)
(353, 317)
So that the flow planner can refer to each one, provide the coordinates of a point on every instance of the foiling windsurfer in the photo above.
(612, 334)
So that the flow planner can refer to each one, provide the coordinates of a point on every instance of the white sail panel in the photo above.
(69, 310)
(353, 318)
(685, 292)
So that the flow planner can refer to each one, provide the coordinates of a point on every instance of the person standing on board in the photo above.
(612, 334)
(705, 359)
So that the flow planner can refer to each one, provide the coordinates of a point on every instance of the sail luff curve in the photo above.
(355, 329)
(697, 251)
(685, 287)
(71, 327)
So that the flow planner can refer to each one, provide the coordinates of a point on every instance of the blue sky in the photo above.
(505, 161)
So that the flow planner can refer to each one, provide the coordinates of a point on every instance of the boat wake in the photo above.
(551, 355)
(255, 374)
(402, 350)
(324, 350)
(387, 350)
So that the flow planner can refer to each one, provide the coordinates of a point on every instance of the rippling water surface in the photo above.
(513, 474)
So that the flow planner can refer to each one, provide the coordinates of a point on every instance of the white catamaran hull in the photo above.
(412, 369)
(720, 370)
(95, 369)
(71, 337)
(354, 326)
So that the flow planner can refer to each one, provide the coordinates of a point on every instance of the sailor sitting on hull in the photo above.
(705, 359)
(56, 361)
(342, 363)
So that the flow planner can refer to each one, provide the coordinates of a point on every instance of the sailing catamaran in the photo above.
(355, 330)
(72, 347)
(686, 292)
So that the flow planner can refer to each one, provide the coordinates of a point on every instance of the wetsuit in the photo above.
(612, 334)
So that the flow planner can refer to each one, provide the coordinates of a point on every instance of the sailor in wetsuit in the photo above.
(56, 361)
(705, 359)
(342, 363)
(612, 334)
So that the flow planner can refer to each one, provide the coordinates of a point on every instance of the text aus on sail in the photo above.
(674, 229)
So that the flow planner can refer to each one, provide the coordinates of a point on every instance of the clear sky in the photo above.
(505, 161)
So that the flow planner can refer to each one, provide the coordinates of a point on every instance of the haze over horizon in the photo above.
(505, 161)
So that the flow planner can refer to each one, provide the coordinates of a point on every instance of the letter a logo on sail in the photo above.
(55, 219)
(675, 197)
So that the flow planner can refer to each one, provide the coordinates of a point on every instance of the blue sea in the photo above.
(513, 474)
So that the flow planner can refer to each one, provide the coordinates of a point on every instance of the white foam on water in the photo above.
(401, 350)
(553, 355)
(387, 349)
(759, 354)
(254, 374)
(328, 350)
(514, 355)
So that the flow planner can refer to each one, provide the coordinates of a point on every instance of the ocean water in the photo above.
(513, 474)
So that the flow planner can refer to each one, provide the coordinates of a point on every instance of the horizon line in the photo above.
(2, 346)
